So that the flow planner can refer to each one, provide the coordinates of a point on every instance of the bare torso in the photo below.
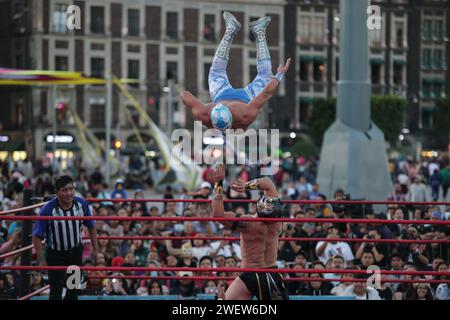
(243, 116)
(259, 244)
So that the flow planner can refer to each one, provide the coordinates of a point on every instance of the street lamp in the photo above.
(118, 144)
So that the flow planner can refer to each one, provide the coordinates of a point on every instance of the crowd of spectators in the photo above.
(296, 180)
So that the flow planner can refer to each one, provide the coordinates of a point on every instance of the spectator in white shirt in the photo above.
(360, 290)
(225, 247)
(327, 249)
(200, 248)
(341, 287)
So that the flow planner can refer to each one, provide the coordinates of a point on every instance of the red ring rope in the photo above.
(281, 239)
(35, 293)
(206, 278)
(357, 240)
(12, 253)
(422, 203)
(317, 220)
(22, 208)
(143, 269)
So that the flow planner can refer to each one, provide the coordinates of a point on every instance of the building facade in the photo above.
(408, 55)
(428, 62)
(167, 45)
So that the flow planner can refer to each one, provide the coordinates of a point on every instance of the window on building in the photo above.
(60, 17)
(438, 58)
(337, 69)
(304, 111)
(61, 63)
(19, 115)
(439, 29)
(399, 34)
(206, 68)
(437, 90)
(305, 28)
(428, 119)
(250, 34)
(426, 58)
(427, 29)
(376, 37)
(135, 48)
(97, 46)
(319, 71)
(172, 71)
(426, 89)
(337, 36)
(172, 25)
(398, 74)
(318, 29)
(376, 73)
(98, 115)
(303, 70)
(97, 19)
(209, 27)
(19, 61)
(133, 71)
(133, 22)
(97, 67)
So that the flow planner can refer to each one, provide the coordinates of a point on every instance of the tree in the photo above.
(323, 114)
(387, 113)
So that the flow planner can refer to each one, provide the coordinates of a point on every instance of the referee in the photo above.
(63, 237)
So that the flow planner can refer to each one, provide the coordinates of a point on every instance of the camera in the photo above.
(342, 208)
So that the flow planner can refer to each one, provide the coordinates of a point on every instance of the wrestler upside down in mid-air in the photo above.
(236, 108)
(259, 240)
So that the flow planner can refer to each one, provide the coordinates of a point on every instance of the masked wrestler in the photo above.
(259, 240)
(236, 108)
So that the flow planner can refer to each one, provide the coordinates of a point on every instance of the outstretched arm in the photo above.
(218, 210)
(198, 109)
(270, 87)
(264, 184)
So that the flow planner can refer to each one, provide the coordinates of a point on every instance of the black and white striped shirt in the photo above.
(63, 235)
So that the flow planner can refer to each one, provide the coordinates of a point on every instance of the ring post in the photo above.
(25, 258)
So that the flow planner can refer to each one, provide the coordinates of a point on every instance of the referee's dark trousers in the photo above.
(57, 279)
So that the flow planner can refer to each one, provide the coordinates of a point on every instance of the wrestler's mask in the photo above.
(270, 207)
